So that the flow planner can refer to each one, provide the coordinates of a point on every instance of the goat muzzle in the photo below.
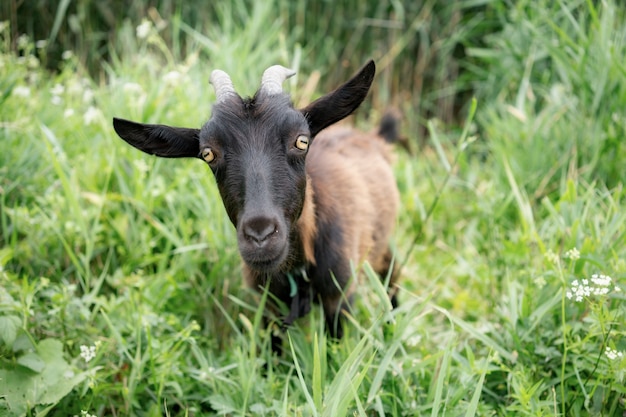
(263, 243)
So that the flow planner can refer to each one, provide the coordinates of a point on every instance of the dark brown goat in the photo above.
(305, 206)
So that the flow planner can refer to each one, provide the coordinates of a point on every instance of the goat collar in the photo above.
(300, 294)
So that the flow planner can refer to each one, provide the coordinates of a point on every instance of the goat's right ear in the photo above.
(159, 140)
(340, 103)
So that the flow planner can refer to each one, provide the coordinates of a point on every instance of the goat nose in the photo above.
(259, 229)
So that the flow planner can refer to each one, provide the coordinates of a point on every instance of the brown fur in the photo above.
(352, 180)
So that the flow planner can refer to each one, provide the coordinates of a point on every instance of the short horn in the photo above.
(222, 84)
(273, 78)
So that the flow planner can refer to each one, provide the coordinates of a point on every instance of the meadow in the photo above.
(120, 279)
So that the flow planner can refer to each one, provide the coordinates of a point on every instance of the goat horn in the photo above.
(273, 78)
(222, 84)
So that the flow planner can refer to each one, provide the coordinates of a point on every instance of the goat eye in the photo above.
(302, 142)
(207, 154)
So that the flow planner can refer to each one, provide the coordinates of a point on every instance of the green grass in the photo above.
(105, 247)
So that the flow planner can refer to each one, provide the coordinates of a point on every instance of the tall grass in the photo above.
(120, 289)
(557, 70)
(419, 45)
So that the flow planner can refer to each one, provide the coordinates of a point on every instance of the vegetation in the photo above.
(120, 288)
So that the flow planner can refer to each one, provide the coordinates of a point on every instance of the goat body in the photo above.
(305, 205)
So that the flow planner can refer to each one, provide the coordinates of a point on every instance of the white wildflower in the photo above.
(598, 285)
(87, 352)
(22, 41)
(572, 254)
(67, 55)
(87, 95)
(21, 91)
(68, 113)
(135, 93)
(143, 30)
(92, 115)
(75, 87)
(552, 257)
(613, 354)
(172, 77)
(601, 280)
(57, 89)
(141, 166)
(56, 100)
(85, 413)
(414, 340)
(132, 88)
(71, 227)
(32, 62)
(540, 282)
(40, 44)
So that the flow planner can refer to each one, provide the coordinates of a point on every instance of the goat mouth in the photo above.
(267, 263)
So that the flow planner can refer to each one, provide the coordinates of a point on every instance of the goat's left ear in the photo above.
(159, 140)
(334, 106)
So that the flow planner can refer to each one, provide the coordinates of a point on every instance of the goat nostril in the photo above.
(258, 230)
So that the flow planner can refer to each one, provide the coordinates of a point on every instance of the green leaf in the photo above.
(58, 19)
(23, 342)
(222, 404)
(58, 376)
(317, 374)
(31, 361)
(6, 254)
(23, 389)
(8, 329)
(342, 391)
(472, 409)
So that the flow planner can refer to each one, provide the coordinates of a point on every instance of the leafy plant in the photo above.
(120, 289)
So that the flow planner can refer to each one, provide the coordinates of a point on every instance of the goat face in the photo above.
(256, 149)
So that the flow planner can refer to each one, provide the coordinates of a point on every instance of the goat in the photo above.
(305, 203)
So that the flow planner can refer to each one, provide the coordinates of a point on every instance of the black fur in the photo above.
(159, 140)
(388, 127)
(340, 103)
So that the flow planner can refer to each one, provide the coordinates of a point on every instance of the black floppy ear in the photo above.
(159, 140)
(334, 106)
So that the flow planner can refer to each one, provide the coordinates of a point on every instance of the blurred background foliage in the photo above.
(548, 76)
(420, 46)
